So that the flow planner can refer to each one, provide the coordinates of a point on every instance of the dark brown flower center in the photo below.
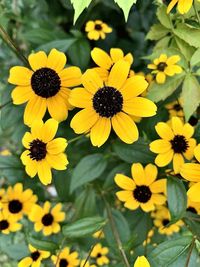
(47, 219)
(192, 209)
(107, 101)
(193, 121)
(177, 107)
(99, 255)
(165, 222)
(63, 263)
(45, 82)
(15, 206)
(4, 225)
(37, 150)
(179, 144)
(142, 193)
(98, 27)
(161, 66)
(35, 255)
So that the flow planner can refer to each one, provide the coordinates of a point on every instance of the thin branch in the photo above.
(6, 38)
(115, 232)
(75, 139)
(190, 253)
(196, 12)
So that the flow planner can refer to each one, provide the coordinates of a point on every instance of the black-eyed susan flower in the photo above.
(161, 220)
(45, 86)
(105, 61)
(43, 152)
(8, 223)
(165, 66)
(110, 105)
(193, 207)
(183, 6)
(141, 261)
(142, 190)
(87, 264)
(66, 258)
(17, 201)
(35, 258)
(191, 172)
(47, 219)
(175, 109)
(100, 254)
(97, 29)
(99, 234)
(175, 143)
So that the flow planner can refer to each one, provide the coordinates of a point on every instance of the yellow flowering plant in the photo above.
(99, 133)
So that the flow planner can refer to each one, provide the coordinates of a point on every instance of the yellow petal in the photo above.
(173, 60)
(125, 128)
(177, 126)
(184, 6)
(27, 139)
(124, 195)
(36, 129)
(190, 150)
(84, 120)
(56, 60)
(101, 58)
(151, 173)
(158, 199)
(193, 192)
(131, 204)
(141, 261)
(197, 153)
(21, 94)
(81, 98)
(138, 173)
(58, 162)
(164, 131)
(139, 106)
(57, 146)
(160, 146)
(26, 262)
(57, 108)
(160, 77)
(133, 87)
(164, 158)
(100, 131)
(158, 186)
(70, 77)
(124, 182)
(171, 5)
(118, 74)
(44, 172)
(191, 172)
(49, 130)
(116, 54)
(20, 76)
(91, 81)
(37, 60)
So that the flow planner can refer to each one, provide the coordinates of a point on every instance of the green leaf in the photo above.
(188, 34)
(62, 45)
(176, 197)
(62, 181)
(79, 6)
(169, 251)
(83, 227)
(43, 244)
(195, 60)
(157, 32)
(193, 223)
(137, 152)
(163, 17)
(191, 95)
(87, 170)
(158, 92)
(125, 5)
(185, 48)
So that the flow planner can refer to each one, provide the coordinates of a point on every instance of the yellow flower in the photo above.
(45, 86)
(175, 143)
(47, 219)
(165, 66)
(100, 254)
(161, 218)
(35, 258)
(141, 261)
(99, 234)
(193, 206)
(142, 190)
(110, 104)
(87, 264)
(4, 152)
(191, 172)
(105, 61)
(8, 223)
(182, 5)
(43, 152)
(65, 258)
(175, 108)
(97, 29)
(18, 202)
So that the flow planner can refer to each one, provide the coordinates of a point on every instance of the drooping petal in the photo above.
(44, 172)
(100, 131)
(164, 159)
(160, 77)
(57, 108)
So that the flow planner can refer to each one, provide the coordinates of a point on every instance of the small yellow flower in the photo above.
(97, 29)
(43, 152)
(99, 234)
(110, 105)
(161, 218)
(100, 254)
(47, 219)
(175, 143)
(8, 223)
(142, 190)
(4, 152)
(165, 66)
(182, 5)
(45, 86)
(141, 261)
(175, 109)
(18, 202)
(35, 258)
(65, 258)
(105, 61)
(191, 172)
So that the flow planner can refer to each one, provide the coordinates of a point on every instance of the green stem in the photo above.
(75, 139)
(6, 38)
(115, 232)
(190, 253)
(196, 12)
(5, 104)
